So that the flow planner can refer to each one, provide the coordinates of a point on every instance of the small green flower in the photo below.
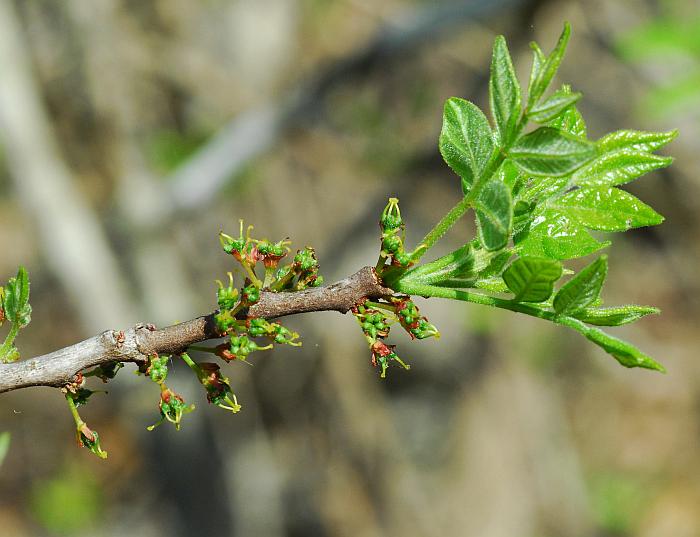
(90, 439)
(226, 296)
(306, 260)
(251, 294)
(391, 216)
(158, 368)
(224, 321)
(172, 407)
(218, 389)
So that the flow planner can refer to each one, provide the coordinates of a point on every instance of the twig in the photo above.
(136, 344)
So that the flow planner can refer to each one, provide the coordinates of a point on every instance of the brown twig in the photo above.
(136, 344)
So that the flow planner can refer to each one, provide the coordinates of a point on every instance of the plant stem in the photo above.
(251, 274)
(9, 340)
(476, 298)
(380, 305)
(193, 365)
(458, 210)
(74, 411)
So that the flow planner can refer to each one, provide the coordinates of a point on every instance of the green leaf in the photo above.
(548, 151)
(615, 316)
(466, 141)
(583, 289)
(509, 174)
(618, 167)
(4, 445)
(627, 354)
(556, 235)
(549, 69)
(16, 299)
(635, 140)
(570, 121)
(522, 216)
(504, 92)
(531, 279)
(494, 213)
(607, 209)
(554, 106)
(542, 188)
(538, 61)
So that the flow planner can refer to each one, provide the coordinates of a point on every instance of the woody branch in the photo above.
(136, 344)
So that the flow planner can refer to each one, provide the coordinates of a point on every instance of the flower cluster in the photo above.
(172, 405)
(77, 395)
(375, 320)
(411, 320)
(217, 386)
(393, 236)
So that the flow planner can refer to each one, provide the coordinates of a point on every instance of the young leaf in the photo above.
(618, 167)
(627, 354)
(543, 188)
(550, 152)
(549, 69)
(16, 299)
(635, 140)
(466, 141)
(531, 279)
(556, 235)
(607, 209)
(570, 121)
(504, 92)
(583, 289)
(494, 213)
(552, 107)
(615, 316)
(538, 61)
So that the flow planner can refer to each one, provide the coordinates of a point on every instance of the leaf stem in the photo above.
(447, 221)
(425, 290)
(74, 411)
(9, 340)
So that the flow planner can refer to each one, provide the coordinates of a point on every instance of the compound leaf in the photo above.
(531, 279)
(583, 289)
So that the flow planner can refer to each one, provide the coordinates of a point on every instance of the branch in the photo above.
(136, 344)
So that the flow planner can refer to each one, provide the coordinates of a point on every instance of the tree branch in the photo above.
(136, 344)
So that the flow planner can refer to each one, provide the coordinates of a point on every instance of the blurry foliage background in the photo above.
(132, 132)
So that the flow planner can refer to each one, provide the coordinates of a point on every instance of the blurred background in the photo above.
(131, 132)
